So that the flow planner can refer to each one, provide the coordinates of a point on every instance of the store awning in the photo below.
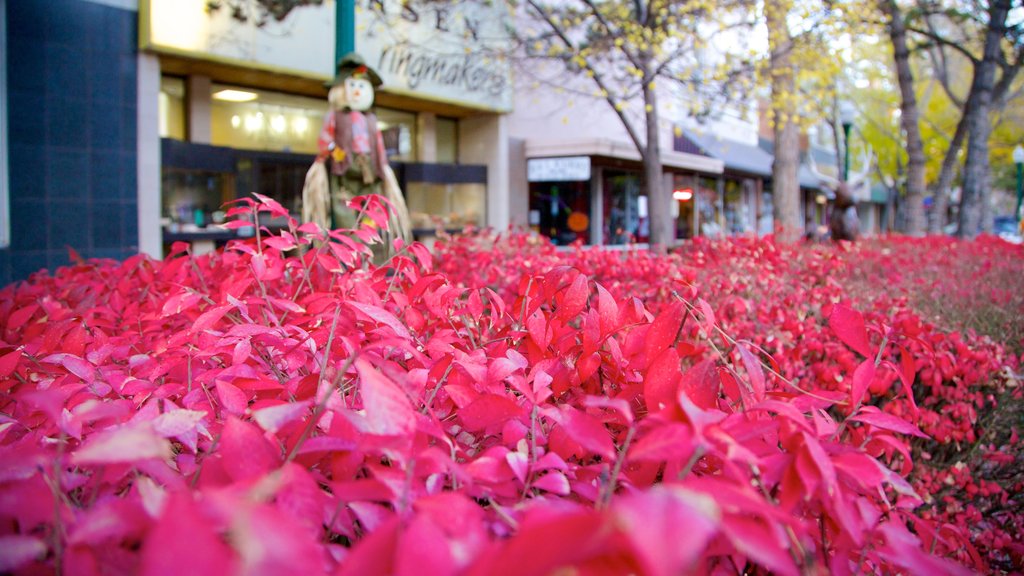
(736, 156)
(621, 150)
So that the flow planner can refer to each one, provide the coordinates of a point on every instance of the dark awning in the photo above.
(736, 156)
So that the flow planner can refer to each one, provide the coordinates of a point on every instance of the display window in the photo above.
(447, 206)
(626, 218)
(171, 108)
(561, 211)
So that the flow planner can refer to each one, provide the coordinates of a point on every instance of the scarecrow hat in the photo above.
(352, 64)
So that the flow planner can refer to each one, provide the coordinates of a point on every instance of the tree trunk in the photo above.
(659, 199)
(785, 168)
(976, 169)
(949, 163)
(909, 118)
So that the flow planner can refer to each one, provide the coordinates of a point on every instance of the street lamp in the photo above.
(1018, 159)
(847, 112)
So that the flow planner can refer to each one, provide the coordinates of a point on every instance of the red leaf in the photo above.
(488, 410)
(8, 362)
(123, 445)
(388, 411)
(79, 367)
(663, 331)
(887, 422)
(667, 442)
(862, 378)
(652, 521)
(20, 316)
(754, 370)
(183, 541)
(756, 540)
(662, 380)
(848, 324)
(209, 318)
(700, 384)
(382, 316)
(574, 299)
(245, 452)
(273, 418)
(608, 310)
(587, 431)
(554, 482)
(232, 399)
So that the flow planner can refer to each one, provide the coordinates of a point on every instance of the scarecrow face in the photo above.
(358, 94)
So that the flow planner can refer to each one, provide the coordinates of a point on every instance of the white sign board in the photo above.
(566, 169)
(445, 51)
(301, 44)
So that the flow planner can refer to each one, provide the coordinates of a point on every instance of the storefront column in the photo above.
(484, 140)
(596, 204)
(426, 137)
(720, 189)
(148, 165)
(198, 93)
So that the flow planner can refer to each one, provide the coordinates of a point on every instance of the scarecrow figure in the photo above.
(352, 160)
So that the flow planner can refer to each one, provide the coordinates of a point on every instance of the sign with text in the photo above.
(565, 169)
(452, 52)
(301, 44)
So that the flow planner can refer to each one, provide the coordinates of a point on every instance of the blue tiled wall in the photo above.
(71, 82)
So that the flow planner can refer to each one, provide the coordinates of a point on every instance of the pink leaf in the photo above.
(388, 411)
(701, 385)
(653, 520)
(862, 378)
(8, 362)
(17, 550)
(232, 398)
(183, 541)
(177, 422)
(608, 311)
(123, 445)
(663, 331)
(209, 318)
(273, 418)
(887, 422)
(382, 316)
(672, 441)
(848, 324)
(587, 431)
(245, 452)
(79, 367)
(554, 482)
(575, 298)
(754, 370)
(488, 410)
(662, 380)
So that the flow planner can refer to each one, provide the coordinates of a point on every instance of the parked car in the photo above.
(1007, 229)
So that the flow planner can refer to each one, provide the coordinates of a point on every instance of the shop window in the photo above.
(709, 206)
(399, 132)
(192, 198)
(447, 206)
(625, 209)
(171, 108)
(738, 209)
(447, 130)
(561, 211)
(253, 119)
(684, 201)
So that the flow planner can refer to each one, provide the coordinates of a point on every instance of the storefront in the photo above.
(590, 191)
(238, 107)
(735, 203)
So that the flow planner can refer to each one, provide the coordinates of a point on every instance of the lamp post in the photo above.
(847, 112)
(1018, 159)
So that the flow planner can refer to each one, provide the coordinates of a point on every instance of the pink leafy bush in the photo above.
(284, 406)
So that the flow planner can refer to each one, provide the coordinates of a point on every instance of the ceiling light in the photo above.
(229, 95)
